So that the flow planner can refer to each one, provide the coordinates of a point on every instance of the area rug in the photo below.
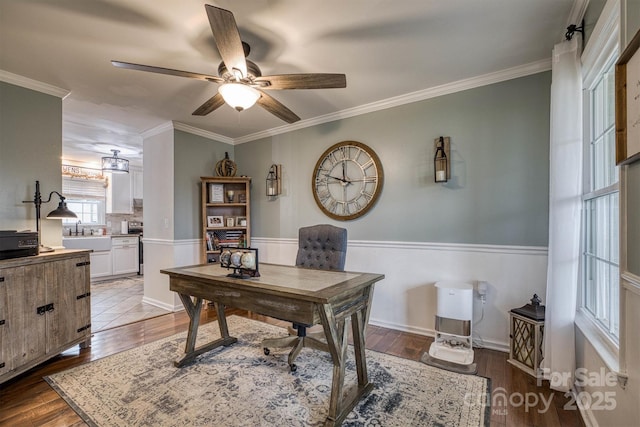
(240, 386)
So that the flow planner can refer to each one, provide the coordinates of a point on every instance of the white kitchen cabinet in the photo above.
(124, 252)
(100, 264)
(137, 184)
(119, 198)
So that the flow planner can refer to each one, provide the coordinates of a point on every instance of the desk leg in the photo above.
(193, 310)
(337, 337)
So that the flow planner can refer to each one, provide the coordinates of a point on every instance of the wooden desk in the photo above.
(331, 298)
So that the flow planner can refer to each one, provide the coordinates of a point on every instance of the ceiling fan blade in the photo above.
(303, 81)
(212, 103)
(167, 71)
(227, 38)
(276, 108)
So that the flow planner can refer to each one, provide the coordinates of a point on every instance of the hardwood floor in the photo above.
(29, 401)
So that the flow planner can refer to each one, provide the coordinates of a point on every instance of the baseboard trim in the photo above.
(162, 304)
(488, 344)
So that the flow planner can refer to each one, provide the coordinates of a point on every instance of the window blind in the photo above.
(73, 188)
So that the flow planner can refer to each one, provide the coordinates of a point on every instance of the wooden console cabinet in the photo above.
(45, 308)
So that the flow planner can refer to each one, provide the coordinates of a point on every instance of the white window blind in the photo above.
(73, 188)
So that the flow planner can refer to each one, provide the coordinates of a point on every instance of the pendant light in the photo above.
(115, 164)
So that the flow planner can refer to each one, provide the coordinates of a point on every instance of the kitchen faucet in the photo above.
(77, 228)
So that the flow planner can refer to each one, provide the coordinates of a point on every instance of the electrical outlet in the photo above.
(482, 288)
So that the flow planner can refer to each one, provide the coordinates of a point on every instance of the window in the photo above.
(86, 198)
(600, 258)
(90, 212)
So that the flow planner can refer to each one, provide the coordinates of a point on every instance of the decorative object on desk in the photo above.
(58, 213)
(347, 180)
(242, 198)
(274, 186)
(226, 166)
(216, 193)
(230, 195)
(628, 103)
(243, 261)
(441, 163)
(230, 222)
(526, 333)
(248, 388)
(215, 221)
(115, 164)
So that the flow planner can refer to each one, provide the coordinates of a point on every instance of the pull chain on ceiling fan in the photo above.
(241, 82)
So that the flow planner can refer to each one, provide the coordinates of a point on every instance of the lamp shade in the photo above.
(115, 163)
(238, 95)
(61, 211)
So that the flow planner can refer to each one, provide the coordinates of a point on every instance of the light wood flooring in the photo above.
(29, 401)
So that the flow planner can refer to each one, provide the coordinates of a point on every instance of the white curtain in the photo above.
(565, 191)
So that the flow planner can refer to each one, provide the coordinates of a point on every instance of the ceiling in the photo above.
(390, 52)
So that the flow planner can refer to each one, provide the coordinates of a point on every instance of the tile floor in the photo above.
(119, 302)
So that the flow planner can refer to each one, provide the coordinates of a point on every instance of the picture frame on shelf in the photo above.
(242, 198)
(627, 103)
(230, 222)
(215, 221)
(216, 193)
(241, 221)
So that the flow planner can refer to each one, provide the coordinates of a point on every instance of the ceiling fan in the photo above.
(241, 82)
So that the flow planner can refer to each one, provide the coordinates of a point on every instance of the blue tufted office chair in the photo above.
(322, 247)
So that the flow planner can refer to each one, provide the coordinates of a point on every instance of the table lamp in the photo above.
(60, 212)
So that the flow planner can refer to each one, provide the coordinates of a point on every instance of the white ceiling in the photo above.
(387, 49)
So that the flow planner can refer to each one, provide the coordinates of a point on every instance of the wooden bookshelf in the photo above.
(226, 218)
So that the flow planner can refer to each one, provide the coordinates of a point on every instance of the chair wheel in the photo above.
(266, 351)
(293, 367)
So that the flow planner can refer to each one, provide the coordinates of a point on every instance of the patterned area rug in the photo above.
(240, 386)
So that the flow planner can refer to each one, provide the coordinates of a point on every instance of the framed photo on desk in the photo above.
(628, 103)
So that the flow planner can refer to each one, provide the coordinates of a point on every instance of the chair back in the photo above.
(323, 247)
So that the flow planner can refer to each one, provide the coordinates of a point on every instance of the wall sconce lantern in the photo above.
(441, 165)
(60, 212)
(274, 187)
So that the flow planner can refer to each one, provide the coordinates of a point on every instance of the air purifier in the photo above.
(452, 348)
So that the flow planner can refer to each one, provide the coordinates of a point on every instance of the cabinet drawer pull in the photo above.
(2, 322)
(83, 295)
(1, 365)
(1, 279)
(49, 307)
(41, 310)
(82, 264)
(84, 328)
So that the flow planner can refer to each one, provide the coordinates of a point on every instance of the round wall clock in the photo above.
(347, 180)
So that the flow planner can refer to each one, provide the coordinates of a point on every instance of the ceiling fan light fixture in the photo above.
(238, 95)
(115, 163)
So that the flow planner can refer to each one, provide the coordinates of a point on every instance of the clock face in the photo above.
(347, 180)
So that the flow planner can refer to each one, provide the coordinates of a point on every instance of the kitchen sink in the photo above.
(97, 243)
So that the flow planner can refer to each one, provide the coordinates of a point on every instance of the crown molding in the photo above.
(206, 134)
(27, 83)
(157, 130)
(421, 95)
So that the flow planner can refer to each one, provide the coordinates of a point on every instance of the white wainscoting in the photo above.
(405, 299)
(160, 254)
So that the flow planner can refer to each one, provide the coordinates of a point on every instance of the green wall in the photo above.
(194, 156)
(30, 150)
(500, 166)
